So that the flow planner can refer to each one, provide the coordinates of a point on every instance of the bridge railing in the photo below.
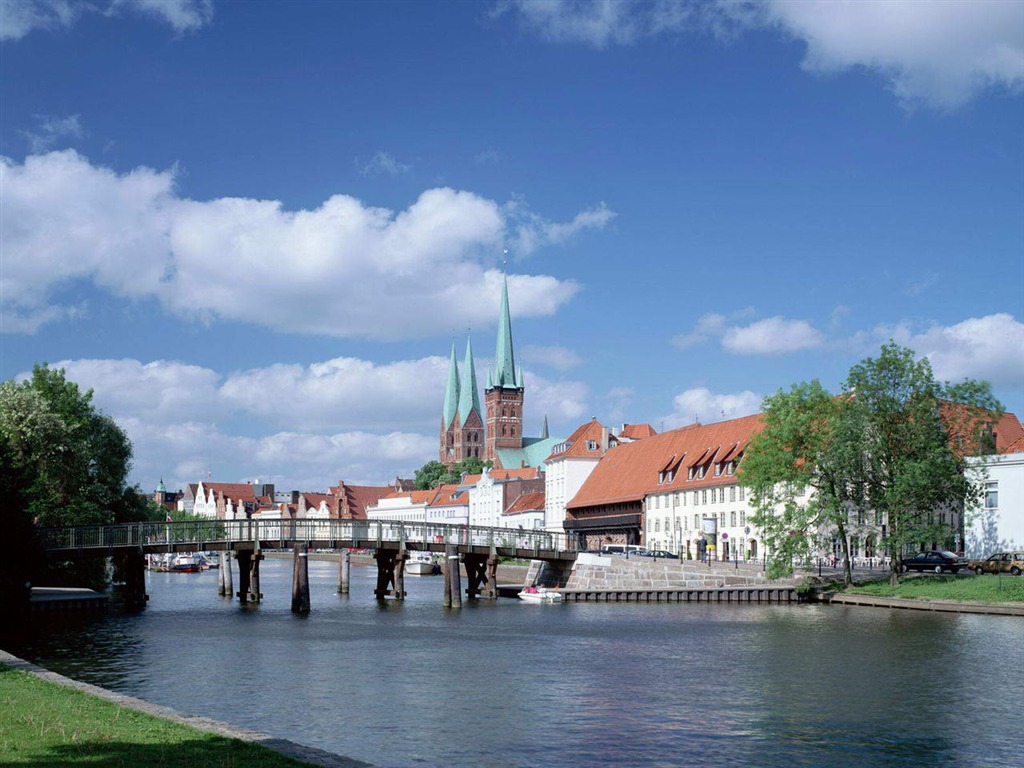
(367, 533)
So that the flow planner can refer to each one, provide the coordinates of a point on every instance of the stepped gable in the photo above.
(632, 470)
(528, 502)
(349, 502)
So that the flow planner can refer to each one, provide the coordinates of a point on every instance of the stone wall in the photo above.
(599, 572)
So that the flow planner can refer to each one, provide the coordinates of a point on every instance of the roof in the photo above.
(448, 496)
(636, 431)
(576, 444)
(350, 501)
(469, 400)
(1007, 430)
(503, 475)
(504, 375)
(1017, 446)
(451, 392)
(631, 471)
(232, 490)
(528, 502)
(533, 453)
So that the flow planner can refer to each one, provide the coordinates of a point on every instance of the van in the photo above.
(622, 549)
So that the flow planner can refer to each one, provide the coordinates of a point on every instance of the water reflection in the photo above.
(499, 683)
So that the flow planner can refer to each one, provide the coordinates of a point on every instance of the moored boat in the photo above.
(541, 595)
(421, 564)
(186, 563)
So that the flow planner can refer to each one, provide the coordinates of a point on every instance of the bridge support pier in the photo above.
(453, 577)
(300, 579)
(224, 585)
(255, 595)
(390, 574)
(481, 575)
(135, 596)
(343, 572)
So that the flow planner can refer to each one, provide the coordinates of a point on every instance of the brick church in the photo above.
(496, 434)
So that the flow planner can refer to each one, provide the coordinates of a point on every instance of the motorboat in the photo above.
(541, 595)
(421, 564)
(187, 563)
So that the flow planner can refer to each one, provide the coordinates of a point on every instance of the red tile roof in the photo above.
(237, 491)
(1017, 446)
(528, 502)
(524, 473)
(631, 471)
(576, 444)
(350, 501)
(637, 431)
(449, 495)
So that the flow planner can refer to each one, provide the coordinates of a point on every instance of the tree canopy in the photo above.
(434, 473)
(887, 454)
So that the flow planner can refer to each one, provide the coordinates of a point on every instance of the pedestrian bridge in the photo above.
(479, 549)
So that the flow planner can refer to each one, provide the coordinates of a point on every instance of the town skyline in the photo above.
(258, 254)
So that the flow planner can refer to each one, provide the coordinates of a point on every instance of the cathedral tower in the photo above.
(462, 427)
(503, 396)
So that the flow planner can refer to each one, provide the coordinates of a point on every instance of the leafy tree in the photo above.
(891, 447)
(434, 473)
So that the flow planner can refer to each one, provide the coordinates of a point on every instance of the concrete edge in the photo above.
(943, 606)
(300, 752)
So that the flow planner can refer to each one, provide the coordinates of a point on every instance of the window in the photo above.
(696, 498)
(743, 493)
(732, 519)
(696, 522)
(689, 474)
(730, 467)
(668, 525)
(721, 519)
(718, 469)
(732, 493)
(743, 517)
(992, 496)
(592, 446)
(657, 525)
(682, 499)
(703, 497)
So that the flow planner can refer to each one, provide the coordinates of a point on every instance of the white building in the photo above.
(493, 491)
(569, 466)
(998, 525)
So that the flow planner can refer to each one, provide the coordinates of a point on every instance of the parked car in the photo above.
(937, 560)
(661, 553)
(1000, 562)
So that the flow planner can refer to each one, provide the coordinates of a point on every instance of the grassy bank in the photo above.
(975, 589)
(44, 724)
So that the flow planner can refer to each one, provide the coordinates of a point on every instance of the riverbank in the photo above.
(1000, 595)
(49, 719)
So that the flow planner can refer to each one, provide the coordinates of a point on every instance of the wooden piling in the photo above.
(399, 574)
(456, 577)
(343, 572)
(300, 579)
(244, 558)
(255, 595)
(446, 567)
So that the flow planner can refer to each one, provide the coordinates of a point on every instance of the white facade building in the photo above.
(998, 525)
(569, 466)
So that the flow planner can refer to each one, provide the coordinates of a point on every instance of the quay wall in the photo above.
(593, 572)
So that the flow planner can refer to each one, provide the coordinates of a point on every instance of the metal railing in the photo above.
(266, 533)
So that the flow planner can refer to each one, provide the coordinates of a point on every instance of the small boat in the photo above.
(421, 564)
(186, 564)
(541, 595)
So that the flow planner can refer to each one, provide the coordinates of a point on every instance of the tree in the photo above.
(802, 447)
(434, 474)
(915, 434)
(890, 449)
(74, 459)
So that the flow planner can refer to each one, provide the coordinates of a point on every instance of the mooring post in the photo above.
(300, 579)
(244, 558)
(399, 574)
(456, 577)
(222, 568)
(446, 575)
(254, 578)
(343, 572)
(491, 589)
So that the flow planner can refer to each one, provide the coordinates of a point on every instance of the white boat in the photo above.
(186, 563)
(420, 564)
(541, 595)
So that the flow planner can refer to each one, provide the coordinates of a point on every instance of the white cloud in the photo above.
(559, 401)
(559, 358)
(381, 163)
(987, 348)
(487, 157)
(343, 269)
(51, 130)
(533, 231)
(939, 54)
(709, 326)
(772, 336)
(702, 405)
(20, 17)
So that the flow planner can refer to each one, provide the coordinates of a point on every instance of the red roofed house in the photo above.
(525, 513)
(998, 525)
(229, 501)
(569, 465)
(493, 491)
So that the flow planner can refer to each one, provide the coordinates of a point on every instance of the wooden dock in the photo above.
(66, 600)
(784, 594)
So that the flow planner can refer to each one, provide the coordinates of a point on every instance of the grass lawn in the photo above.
(975, 589)
(44, 724)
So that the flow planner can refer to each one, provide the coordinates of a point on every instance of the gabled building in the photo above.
(569, 465)
(997, 524)
(493, 491)
(350, 502)
(231, 501)
(525, 513)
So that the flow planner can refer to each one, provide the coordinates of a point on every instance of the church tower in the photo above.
(503, 396)
(462, 427)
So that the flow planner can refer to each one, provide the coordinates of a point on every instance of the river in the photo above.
(500, 683)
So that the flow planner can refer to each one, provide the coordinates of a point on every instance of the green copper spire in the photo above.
(451, 392)
(504, 358)
(469, 400)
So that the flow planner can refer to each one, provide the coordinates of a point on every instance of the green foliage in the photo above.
(434, 473)
(49, 724)
(980, 589)
(73, 460)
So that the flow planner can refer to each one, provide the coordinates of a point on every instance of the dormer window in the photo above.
(591, 445)
(718, 470)
(689, 473)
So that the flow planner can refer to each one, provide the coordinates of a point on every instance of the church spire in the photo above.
(469, 400)
(451, 392)
(505, 374)
(544, 432)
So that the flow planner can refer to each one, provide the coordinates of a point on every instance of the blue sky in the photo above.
(255, 228)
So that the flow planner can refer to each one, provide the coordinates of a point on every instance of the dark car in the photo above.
(937, 560)
(660, 553)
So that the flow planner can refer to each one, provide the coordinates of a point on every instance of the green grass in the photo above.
(44, 724)
(974, 589)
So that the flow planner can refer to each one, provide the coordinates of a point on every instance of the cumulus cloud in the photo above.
(939, 54)
(559, 401)
(987, 348)
(702, 405)
(20, 17)
(532, 231)
(559, 358)
(343, 269)
(772, 336)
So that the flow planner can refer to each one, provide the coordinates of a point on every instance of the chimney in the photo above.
(604, 439)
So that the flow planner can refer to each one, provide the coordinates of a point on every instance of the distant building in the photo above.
(495, 490)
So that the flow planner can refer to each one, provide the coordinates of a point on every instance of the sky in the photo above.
(255, 230)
